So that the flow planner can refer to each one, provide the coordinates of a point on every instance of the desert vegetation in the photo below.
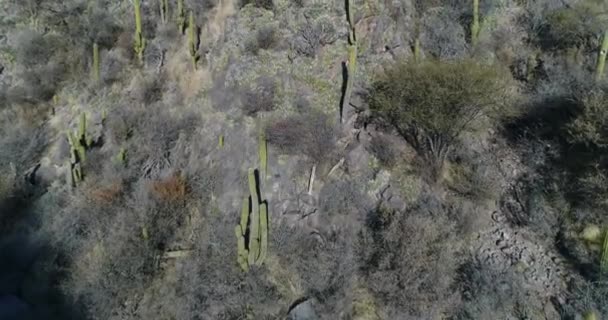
(299, 159)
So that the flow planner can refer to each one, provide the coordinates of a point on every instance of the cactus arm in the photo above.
(253, 190)
(221, 141)
(263, 154)
(263, 233)
(601, 59)
(244, 216)
(96, 73)
(254, 235)
(475, 24)
(242, 251)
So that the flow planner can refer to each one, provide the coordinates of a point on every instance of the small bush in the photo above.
(383, 149)
(309, 134)
(259, 98)
(265, 38)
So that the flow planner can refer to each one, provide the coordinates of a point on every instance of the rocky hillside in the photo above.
(303, 159)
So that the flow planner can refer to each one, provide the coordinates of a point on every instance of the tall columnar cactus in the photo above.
(601, 57)
(193, 40)
(252, 231)
(164, 10)
(78, 146)
(352, 59)
(181, 16)
(475, 24)
(96, 64)
(140, 42)
(263, 154)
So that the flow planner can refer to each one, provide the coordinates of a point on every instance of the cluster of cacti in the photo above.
(263, 154)
(351, 66)
(164, 10)
(140, 42)
(252, 231)
(601, 58)
(475, 24)
(96, 63)
(193, 40)
(181, 16)
(79, 144)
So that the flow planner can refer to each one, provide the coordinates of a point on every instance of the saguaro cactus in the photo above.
(475, 24)
(140, 42)
(252, 231)
(193, 40)
(601, 57)
(78, 147)
(96, 64)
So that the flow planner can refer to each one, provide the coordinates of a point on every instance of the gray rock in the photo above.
(303, 311)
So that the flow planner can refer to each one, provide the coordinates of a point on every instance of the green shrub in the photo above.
(431, 103)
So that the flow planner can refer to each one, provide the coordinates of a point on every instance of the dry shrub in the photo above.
(108, 193)
(409, 259)
(173, 188)
(310, 134)
(260, 97)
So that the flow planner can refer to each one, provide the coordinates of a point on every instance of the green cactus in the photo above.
(263, 154)
(140, 42)
(252, 231)
(221, 141)
(601, 59)
(181, 16)
(475, 24)
(78, 147)
(96, 73)
(193, 40)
